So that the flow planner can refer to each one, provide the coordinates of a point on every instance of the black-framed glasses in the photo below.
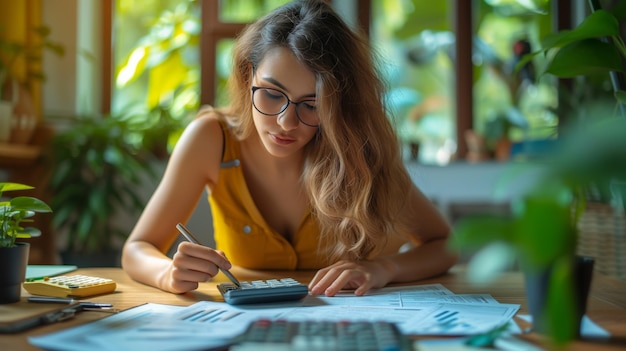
(272, 102)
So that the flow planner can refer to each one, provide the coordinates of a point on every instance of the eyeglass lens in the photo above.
(272, 102)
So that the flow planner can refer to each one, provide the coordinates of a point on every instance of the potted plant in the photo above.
(497, 132)
(541, 232)
(14, 255)
(97, 175)
(12, 90)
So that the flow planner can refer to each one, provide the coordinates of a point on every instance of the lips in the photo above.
(282, 139)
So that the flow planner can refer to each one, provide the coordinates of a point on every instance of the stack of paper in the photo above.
(418, 310)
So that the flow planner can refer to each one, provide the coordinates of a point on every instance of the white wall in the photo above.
(73, 80)
(462, 182)
(59, 89)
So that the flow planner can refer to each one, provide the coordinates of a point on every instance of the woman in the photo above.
(303, 170)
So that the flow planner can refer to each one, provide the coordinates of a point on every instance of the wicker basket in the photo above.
(602, 235)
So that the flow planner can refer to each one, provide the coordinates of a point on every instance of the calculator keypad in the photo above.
(267, 334)
(76, 281)
(70, 285)
(262, 291)
(271, 283)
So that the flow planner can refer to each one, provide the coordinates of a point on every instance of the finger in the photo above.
(204, 254)
(181, 287)
(185, 262)
(318, 276)
(225, 262)
(182, 280)
(364, 288)
(325, 280)
(341, 282)
(183, 273)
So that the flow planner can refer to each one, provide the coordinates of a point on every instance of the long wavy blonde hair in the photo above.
(353, 174)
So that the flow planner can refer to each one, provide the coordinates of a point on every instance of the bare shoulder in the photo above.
(200, 146)
(204, 132)
(206, 121)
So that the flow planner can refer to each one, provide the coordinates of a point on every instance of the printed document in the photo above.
(419, 310)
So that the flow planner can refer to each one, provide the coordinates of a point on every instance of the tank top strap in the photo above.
(230, 148)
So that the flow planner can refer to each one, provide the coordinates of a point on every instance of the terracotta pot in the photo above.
(502, 150)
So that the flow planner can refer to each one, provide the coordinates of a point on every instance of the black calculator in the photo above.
(263, 291)
(312, 335)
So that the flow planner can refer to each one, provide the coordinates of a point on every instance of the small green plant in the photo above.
(17, 210)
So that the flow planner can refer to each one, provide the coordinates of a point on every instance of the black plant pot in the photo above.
(13, 261)
(537, 284)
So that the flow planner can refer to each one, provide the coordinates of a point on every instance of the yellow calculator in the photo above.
(70, 286)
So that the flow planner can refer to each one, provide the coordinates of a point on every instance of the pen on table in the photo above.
(98, 307)
(94, 305)
(191, 238)
(49, 299)
(85, 305)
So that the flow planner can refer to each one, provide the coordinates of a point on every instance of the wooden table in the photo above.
(607, 305)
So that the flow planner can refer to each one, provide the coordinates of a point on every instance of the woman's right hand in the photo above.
(191, 265)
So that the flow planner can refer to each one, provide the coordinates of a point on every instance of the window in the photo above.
(187, 44)
(156, 57)
(223, 20)
(416, 42)
(168, 53)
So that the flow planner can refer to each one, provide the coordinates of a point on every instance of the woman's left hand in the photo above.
(361, 276)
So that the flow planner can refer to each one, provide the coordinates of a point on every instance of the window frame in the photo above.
(214, 30)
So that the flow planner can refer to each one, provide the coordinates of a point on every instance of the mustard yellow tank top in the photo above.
(242, 233)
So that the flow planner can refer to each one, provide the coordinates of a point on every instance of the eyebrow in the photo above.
(280, 85)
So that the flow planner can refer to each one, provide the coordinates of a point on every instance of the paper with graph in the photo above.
(417, 310)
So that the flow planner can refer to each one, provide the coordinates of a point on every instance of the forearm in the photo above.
(421, 262)
(145, 263)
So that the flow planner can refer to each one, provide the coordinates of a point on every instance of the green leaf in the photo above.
(471, 233)
(43, 31)
(489, 262)
(599, 24)
(544, 227)
(620, 95)
(14, 186)
(133, 67)
(165, 78)
(29, 203)
(585, 57)
(29, 232)
(561, 304)
(56, 48)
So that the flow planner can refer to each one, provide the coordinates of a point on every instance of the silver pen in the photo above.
(51, 299)
(85, 305)
(191, 238)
